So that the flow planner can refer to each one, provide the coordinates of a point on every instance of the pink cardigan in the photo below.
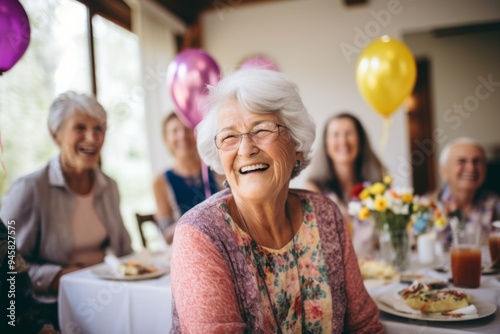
(214, 290)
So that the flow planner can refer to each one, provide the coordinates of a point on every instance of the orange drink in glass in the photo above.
(494, 245)
(466, 266)
(466, 255)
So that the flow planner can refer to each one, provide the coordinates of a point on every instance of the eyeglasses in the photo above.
(261, 134)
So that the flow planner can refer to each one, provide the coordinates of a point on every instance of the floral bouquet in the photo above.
(432, 219)
(392, 210)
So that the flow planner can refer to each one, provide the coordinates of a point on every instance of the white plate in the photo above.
(484, 308)
(490, 271)
(106, 273)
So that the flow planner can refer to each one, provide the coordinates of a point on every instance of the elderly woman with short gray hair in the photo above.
(67, 213)
(260, 257)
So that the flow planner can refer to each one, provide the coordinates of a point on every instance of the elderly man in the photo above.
(463, 170)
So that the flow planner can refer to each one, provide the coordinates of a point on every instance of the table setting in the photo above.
(432, 273)
(441, 272)
(121, 295)
(145, 266)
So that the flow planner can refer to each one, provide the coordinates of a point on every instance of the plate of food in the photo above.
(418, 301)
(376, 273)
(129, 270)
(377, 270)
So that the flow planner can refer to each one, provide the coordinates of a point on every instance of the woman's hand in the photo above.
(54, 286)
(168, 233)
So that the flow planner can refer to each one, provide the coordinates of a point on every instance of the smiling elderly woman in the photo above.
(260, 257)
(67, 213)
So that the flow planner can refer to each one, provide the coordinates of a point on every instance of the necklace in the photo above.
(262, 274)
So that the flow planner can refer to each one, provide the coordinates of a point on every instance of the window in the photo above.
(57, 60)
(124, 155)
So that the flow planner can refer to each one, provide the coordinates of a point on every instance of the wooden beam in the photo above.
(115, 11)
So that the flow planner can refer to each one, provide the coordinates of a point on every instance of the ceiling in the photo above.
(188, 10)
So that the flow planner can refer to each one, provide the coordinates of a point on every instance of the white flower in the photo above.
(396, 205)
(405, 210)
(422, 201)
(354, 208)
(369, 203)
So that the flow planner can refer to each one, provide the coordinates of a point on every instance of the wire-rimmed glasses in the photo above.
(261, 134)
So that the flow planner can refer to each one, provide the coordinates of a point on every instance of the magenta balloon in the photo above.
(187, 78)
(14, 33)
(260, 62)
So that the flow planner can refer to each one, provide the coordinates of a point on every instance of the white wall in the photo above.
(462, 103)
(306, 38)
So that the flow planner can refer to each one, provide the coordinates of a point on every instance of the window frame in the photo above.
(115, 11)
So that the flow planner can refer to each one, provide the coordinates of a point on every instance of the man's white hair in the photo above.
(445, 153)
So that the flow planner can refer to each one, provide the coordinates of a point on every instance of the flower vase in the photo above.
(395, 247)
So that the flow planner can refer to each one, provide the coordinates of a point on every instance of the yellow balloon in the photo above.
(385, 74)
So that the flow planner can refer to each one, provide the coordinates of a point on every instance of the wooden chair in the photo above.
(141, 219)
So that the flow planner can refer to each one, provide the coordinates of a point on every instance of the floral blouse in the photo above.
(486, 209)
(217, 288)
(283, 278)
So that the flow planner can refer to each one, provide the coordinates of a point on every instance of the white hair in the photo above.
(445, 153)
(70, 102)
(261, 92)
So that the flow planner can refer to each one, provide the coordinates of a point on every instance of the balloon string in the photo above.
(206, 180)
(385, 133)
(4, 171)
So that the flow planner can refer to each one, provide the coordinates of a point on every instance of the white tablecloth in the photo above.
(489, 290)
(89, 304)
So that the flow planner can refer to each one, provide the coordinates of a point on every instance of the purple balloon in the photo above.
(260, 62)
(14, 33)
(187, 78)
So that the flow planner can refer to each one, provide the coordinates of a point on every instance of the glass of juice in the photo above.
(466, 256)
(494, 244)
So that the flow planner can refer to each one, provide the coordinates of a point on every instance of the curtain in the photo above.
(156, 29)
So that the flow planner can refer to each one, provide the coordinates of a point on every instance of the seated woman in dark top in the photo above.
(180, 188)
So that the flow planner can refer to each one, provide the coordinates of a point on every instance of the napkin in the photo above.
(398, 304)
(468, 310)
(115, 265)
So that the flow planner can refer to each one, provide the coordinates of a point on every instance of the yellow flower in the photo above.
(407, 198)
(365, 193)
(380, 204)
(388, 179)
(377, 189)
(440, 223)
(364, 213)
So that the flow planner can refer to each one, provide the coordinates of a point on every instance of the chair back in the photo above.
(141, 219)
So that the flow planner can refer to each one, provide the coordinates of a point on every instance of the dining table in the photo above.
(488, 292)
(89, 303)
